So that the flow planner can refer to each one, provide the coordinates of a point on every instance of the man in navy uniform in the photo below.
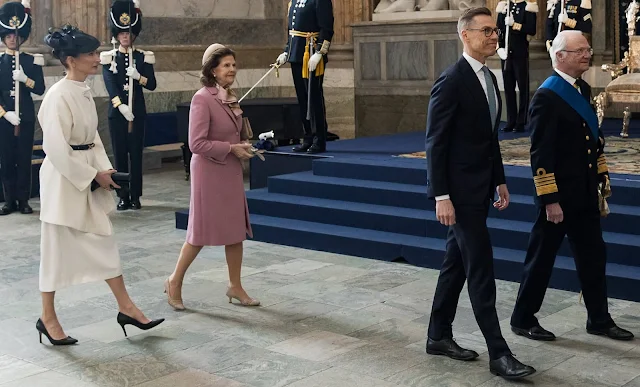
(17, 130)
(120, 67)
(521, 21)
(569, 166)
(575, 16)
(310, 23)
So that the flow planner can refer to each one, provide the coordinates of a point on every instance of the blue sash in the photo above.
(573, 97)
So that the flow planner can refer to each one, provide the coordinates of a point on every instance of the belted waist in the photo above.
(304, 34)
(82, 147)
(311, 40)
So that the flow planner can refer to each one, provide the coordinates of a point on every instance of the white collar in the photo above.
(566, 77)
(475, 64)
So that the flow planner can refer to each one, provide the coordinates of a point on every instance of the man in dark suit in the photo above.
(310, 23)
(464, 167)
(122, 68)
(568, 164)
(17, 131)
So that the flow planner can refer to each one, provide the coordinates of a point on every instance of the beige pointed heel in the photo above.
(175, 303)
(246, 302)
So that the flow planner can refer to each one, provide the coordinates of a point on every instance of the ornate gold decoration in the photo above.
(14, 22)
(125, 19)
(545, 182)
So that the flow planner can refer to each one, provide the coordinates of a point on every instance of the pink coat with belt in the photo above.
(218, 213)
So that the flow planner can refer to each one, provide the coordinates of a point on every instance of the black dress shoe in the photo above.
(534, 333)
(8, 208)
(135, 204)
(448, 347)
(124, 204)
(24, 207)
(508, 128)
(510, 368)
(315, 148)
(614, 332)
(301, 148)
(519, 129)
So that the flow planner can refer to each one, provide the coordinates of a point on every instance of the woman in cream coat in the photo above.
(77, 242)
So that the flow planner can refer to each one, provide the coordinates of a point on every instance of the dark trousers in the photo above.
(15, 160)
(469, 256)
(315, 130)
(516, 70)
(127, 151)
(589, 251)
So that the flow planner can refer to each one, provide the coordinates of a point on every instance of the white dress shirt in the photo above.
(476, 66)
(568, 78)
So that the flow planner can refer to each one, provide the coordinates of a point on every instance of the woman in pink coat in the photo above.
(218, 214)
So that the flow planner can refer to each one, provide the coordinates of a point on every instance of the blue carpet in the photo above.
(358, 199)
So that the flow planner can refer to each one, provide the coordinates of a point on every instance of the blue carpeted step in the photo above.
(623, 281)
(623, 219)
(621, 248)
(400, 170)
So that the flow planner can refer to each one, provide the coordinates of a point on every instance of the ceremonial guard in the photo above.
(573, 14)
(310, 31)
(20, 75)
(519, 17)
(126, 70)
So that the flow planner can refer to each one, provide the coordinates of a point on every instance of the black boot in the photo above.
(124, 204)
(24, 207)
(9, 207)
(135, 204)
(302, 147)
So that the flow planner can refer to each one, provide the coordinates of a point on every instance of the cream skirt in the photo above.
(69, 257)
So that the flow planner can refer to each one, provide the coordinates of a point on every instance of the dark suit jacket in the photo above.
(566, 159)
(463, 153)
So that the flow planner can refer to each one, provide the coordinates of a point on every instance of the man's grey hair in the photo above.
(466, 19)
(560, 43)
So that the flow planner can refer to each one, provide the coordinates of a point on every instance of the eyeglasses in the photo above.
(582, 51)
(488, 31)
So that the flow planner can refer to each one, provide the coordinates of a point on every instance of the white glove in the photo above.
(133, 73)
(508, 21)
(126, 112)
(563, 17)
(26, 3)
(282, 59)
(313, 62)
(13, 118)
(19, 75)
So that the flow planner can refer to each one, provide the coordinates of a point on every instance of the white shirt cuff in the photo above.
(442, 197)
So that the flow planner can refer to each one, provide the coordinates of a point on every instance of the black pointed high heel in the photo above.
(43, 330)
(123, 320)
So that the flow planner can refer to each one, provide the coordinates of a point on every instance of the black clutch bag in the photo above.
(120, 178)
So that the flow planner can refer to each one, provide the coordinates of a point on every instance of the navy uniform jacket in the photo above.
(309, 16)
(524, 23)
(32, 67)
(579, 12)
(118, 84)
(566, 160)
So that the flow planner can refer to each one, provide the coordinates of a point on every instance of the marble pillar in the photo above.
(88, 15)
